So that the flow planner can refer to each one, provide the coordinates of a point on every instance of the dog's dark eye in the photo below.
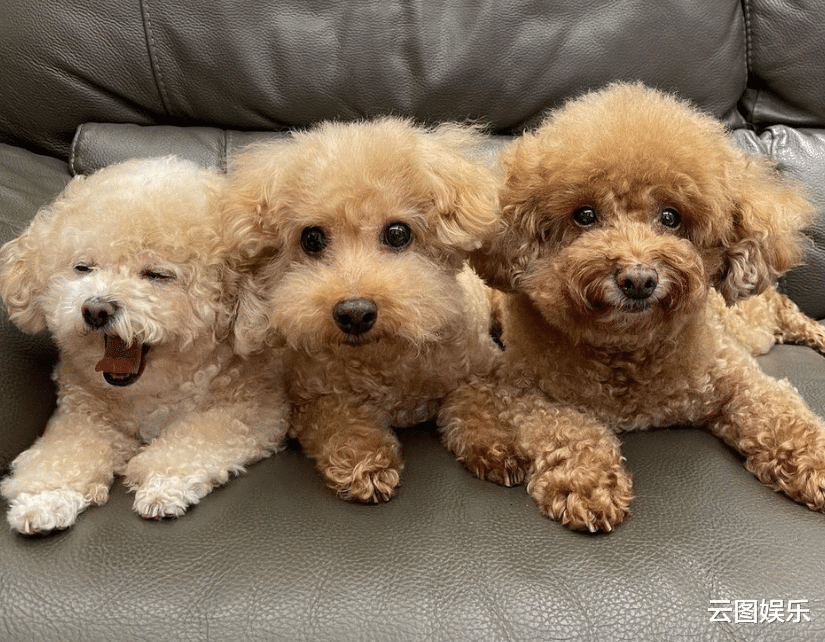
(157, 275)
(669, 217)
(313, 240)
(585, 216)
(397, 236)
(83, 268)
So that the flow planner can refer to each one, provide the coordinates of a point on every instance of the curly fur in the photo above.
(663, 349)
(433, 314)
(141, 237)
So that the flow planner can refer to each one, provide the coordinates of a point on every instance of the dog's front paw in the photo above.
(161, 496)
(473, 429)
(485, 448)
(808, 488)
(590, 495)
(49, 510)
(502, 463)
(368, 477)
(800, 475)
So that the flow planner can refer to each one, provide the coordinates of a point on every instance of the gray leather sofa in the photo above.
(707, 554)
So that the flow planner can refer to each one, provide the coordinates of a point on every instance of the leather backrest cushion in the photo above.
(263, 65)
(786, 53)
(97, 145)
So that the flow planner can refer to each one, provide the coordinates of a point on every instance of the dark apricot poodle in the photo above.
(629, 222)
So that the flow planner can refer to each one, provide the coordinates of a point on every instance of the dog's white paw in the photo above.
(161, 496)
(49, 510)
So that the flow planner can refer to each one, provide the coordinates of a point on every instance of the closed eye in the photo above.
(153, 274)
(84, 268)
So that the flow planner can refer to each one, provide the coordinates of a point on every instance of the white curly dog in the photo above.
(128, 273)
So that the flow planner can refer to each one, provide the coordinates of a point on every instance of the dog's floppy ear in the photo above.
(464, 192)
(247, 320)
(21, 282)
(25, 265)
(502, 260)
(219, 282)
(770, 213)
(250, 231)
(504, 257)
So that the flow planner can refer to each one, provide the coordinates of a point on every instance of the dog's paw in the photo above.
(49, 510)
(473, 429)
(809, 489)
(800, 475)
(502, 463)
(370, 477)
(581, 494)
(161, 496)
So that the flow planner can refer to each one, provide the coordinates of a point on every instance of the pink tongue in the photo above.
(119, 358)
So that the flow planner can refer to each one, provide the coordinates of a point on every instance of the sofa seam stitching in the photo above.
(746, 11)
(747, 14)
(154, 61)
(73, 149)
(225, 141)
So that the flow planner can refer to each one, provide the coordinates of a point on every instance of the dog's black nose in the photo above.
(637, 282)
(355, 316)
(98, 312)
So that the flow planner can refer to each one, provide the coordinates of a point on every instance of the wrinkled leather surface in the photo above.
(786, 57)
(274, 555)
(259, 65)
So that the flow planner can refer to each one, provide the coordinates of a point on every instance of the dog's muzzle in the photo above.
(355, 317)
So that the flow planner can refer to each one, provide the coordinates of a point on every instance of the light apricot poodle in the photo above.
(127, 273)
(356, 240)
(628, 218)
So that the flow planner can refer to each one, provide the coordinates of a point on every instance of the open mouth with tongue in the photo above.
(121, 364)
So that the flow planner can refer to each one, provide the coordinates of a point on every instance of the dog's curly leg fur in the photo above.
(782, 440)
(760, 322)
(577, 474)
(359, 456)
(475, 427)
(69, 468)
(795, 327)
(193, 456)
